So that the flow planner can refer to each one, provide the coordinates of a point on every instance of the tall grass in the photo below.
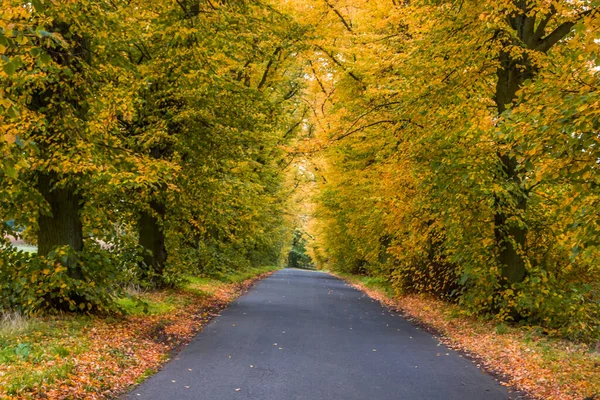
(12, 322)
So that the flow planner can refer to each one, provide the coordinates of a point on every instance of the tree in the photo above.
(297, 257)
(436, 127)
(134, 131)
(51, 76)
(532, 31)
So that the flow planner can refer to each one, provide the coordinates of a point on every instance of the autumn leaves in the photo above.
(467, 160)
(453, 145)
(141, 141)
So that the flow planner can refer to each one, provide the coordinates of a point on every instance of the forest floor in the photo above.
(521, 357)
(96, 357)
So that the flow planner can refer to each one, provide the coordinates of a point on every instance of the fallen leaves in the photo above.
(545, 368)
(114, 353)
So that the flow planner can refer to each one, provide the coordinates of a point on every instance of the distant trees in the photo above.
(298, 257)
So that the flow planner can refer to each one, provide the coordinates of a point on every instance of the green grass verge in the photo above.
(27, 342)
(241, 276)
(206, 285)
(143, 305)
(151, 304)
(35, 379)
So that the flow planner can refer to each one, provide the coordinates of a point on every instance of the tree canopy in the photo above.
(457, 147)
(141, 141)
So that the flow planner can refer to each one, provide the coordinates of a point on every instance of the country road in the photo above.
(307, 335)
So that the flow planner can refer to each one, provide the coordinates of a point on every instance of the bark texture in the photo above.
(63, 225)
(152, 237)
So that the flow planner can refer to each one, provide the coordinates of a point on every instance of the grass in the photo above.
(39, 378)
(145, 305)
(545, 367)
(140, 302)
(372, 282)
(212, 284)
(13, 322)
(240, 276)
(36, 352)
(83, 356)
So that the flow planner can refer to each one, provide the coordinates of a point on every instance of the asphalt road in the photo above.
(307, 335)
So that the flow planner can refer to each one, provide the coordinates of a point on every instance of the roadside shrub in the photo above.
(30, 284)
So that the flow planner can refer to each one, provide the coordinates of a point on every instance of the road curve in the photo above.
(304, 335)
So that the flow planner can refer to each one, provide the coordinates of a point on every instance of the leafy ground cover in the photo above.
(522, 357)
(95, 357)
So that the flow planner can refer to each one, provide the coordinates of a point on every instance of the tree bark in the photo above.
(63, 226)
(150, 227)
(511, 236)
(152, 238)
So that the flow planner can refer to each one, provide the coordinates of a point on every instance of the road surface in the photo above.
(304, 335)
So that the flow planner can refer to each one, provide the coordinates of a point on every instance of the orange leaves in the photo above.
(10, 139)
(547, 369)
(102, 357)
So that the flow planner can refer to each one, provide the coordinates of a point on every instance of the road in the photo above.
(307, 335)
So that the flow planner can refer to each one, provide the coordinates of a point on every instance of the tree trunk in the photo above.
(510, 235)
(63, 226)
(152, 238)
(529, 26)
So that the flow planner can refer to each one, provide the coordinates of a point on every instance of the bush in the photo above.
(29, 283)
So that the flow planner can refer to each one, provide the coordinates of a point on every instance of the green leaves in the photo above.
(35, 51)
(140, 110)
(10, 67)
(38, 5)
(31, 284)
(44, 58)
(481, 172)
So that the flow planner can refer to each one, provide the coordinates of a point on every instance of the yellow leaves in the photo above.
(440, 163)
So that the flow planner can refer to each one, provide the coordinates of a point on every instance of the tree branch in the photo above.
(338, 63)
(348, 133)
(269, 64)
(562, 31)
(346, 24)
(317, 77)
(541, 29)
(184, 9)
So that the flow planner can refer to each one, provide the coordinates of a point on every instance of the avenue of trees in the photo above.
(456, 148)
(450, 146)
